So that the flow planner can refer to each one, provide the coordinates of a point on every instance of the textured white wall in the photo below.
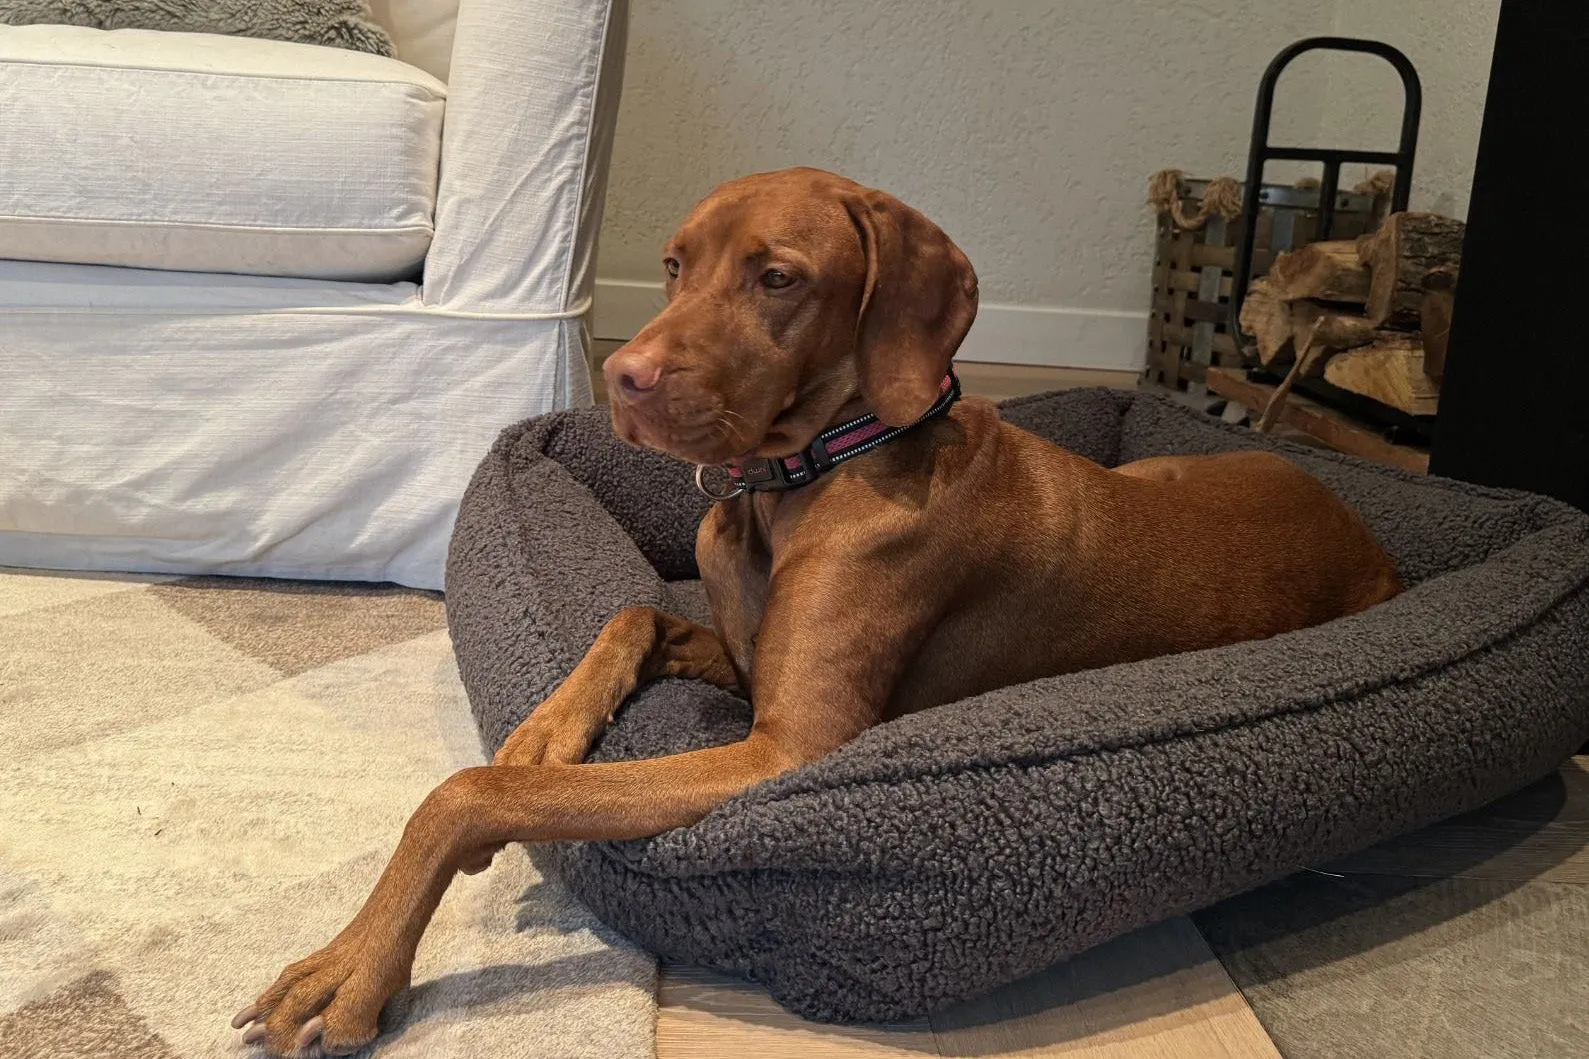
(1026, 128)
(1450, 42)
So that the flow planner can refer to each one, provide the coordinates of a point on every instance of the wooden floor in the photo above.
(1468, 939)
(1163, 995)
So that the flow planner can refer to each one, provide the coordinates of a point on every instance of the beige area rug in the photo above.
(199, 782)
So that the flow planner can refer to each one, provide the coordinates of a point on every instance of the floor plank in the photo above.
(701, 1015)
(1465, 940)
(1156, 994)
(1371, 966)
(1541, 833)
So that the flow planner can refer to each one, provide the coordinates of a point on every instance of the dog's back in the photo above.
(1046, 562)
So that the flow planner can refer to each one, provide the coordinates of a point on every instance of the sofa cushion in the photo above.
(215, 154)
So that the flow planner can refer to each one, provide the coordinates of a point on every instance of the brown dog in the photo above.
(962, 555)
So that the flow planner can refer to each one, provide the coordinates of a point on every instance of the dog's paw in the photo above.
(551, 736)
(326, 1004)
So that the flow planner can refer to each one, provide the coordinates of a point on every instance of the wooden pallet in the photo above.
(1335, 429)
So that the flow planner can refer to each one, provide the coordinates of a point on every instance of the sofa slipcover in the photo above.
(206, 422)
(209, 153)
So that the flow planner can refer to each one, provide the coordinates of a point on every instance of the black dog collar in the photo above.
(831, 447)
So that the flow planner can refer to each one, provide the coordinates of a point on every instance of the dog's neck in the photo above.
(842, 441)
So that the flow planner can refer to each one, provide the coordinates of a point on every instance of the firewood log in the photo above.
(1266, 319)
(1328, 271)
(1439, 300)
(1399, 255)
(1310, 356)
(1337, 330)
(1389, 370)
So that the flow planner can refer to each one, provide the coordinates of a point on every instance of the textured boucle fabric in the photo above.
(332, 23)
(953, 850)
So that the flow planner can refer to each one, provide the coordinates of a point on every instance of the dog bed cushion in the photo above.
(951, 851)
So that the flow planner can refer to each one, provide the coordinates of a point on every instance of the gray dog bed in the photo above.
(943, 854)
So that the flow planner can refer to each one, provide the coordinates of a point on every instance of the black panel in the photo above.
(1514, 406)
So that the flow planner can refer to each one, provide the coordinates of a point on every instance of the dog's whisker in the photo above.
(730, 432)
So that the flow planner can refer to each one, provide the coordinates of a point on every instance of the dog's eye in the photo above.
(775, 279)
(672, 265)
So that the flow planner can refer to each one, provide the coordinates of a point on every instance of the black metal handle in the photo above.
(1260, 152)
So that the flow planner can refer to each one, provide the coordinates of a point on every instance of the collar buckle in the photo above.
(803, 473)
(817, 457)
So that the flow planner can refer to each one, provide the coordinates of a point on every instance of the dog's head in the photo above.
(789, 294)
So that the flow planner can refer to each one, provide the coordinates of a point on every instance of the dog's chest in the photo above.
(735, 561)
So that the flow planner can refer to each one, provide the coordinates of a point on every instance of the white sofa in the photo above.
(263, 306)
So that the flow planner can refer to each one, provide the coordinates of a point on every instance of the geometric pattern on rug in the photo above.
(295, 626)
(203, 778)
(85, 1017)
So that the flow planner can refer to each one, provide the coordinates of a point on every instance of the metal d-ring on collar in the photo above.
(735, 487)
(831, 447)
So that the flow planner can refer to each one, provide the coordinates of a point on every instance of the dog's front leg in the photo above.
(334, 997)
(809, 700)
(638, 645)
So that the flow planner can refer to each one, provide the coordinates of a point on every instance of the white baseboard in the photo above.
(1055, 337)
(622, 307)
(1108, 339)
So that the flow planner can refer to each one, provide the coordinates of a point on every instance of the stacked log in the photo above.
(1268, 320)
(1405, 249)
(1370, 315)
(1390, 370)
(1439, 299)
(1326, 272)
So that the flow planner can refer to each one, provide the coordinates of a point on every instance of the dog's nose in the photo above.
(632, 372)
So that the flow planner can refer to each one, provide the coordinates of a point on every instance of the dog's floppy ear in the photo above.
(918, 304)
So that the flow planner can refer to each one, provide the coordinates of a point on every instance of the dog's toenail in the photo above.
(255, 1034)
(310, 1032)
(244, 1017)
